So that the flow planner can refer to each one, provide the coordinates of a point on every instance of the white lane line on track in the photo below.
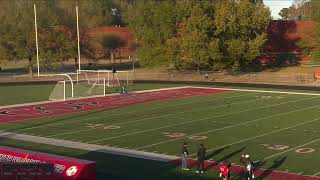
(127, 122)
(223, 128)
(265, 134)
(203, 119)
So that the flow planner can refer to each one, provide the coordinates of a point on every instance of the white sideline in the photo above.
(152, 90)
(153, 117)
(187, 122)
(89, 147)
(104, 149)
(128, 112)
(263, 91)
(126, 122)
(88, 97)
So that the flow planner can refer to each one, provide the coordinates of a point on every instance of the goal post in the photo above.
(112, 79)
(59, 92)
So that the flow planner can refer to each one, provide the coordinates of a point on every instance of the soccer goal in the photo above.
(62, 91)
(110, 78)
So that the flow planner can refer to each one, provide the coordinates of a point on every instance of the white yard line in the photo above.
(203, 119)
(223, 128)
(128, 122)
(262, 135)
(316, 174)
(154, 117)
(146, 109)
(84, 130)
(291, 149)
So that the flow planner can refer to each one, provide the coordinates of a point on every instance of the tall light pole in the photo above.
(36, 32)
(79, 60)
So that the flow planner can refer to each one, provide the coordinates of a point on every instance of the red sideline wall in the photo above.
(65, 168)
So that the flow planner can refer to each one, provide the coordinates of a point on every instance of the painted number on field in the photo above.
(270, 97)
(277, 147)
(284, 147)
(103, 126)
(305, 150)
(111, 127)
(180, 135)
(174, 135)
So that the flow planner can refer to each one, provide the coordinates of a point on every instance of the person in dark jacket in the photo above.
(201, 157)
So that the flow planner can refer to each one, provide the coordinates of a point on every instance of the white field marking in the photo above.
(143, 119)
(316, 174)
(291, 149)
(234, 125)
(128, 122)
(90, 97)
(138, 132)
(262, 135)
(49, 102)
(106, 149)
(262, 91)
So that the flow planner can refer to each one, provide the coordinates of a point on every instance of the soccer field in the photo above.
(281, 131)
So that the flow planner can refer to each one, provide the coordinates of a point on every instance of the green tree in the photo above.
(154, 25)
(241, 29)
(224, 34)
(17, 30)
(284, 13)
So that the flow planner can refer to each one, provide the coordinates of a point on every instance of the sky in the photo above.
(276, 6)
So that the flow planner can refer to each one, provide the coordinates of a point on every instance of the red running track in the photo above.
(98, 103)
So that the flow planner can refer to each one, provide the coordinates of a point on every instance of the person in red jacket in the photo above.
(224, 171)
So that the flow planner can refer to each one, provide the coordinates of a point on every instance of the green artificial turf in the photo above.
(229, 124)
(119, 167)
(18, 94)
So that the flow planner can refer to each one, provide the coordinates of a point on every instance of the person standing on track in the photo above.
(184, 157)
(201, 157)
(248, 164)
(224, 171)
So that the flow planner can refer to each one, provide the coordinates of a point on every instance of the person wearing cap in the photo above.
(224, 170)
(248, 164)
(201, 157)
(184, 157)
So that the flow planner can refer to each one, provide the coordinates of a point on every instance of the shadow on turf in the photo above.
(226, 157)
(114, 167)
(275, 164)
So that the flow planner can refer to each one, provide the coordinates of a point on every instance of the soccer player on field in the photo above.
(201, 157)
(184, 157)
(248, 164)
(224, 171)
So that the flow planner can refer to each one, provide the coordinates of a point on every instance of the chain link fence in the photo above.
(273, 78)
